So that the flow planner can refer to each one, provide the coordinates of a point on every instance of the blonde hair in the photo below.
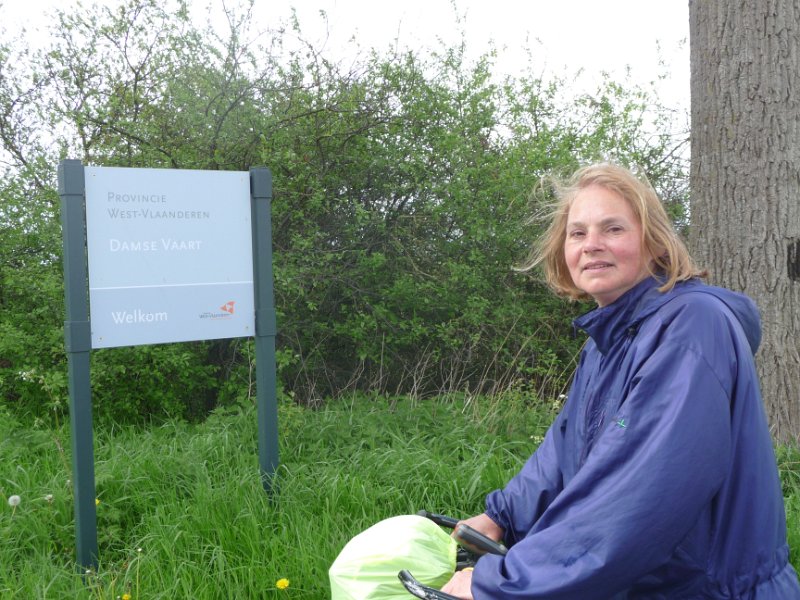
(671, 259)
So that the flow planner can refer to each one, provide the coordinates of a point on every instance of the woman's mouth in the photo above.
(596, 266)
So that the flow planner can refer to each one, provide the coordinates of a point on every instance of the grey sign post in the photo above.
(266, 329)
(77, 338)
(172, 256)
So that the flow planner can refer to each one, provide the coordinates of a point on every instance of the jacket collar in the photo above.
(605, 325)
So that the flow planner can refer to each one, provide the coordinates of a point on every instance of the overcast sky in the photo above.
(565, 35)
(648, 38)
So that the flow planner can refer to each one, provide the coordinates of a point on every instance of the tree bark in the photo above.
(745, 176)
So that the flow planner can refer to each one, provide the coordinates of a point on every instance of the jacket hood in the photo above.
(606, 323)
(745, 311)
(742, 307)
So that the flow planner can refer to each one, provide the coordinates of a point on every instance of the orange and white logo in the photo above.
(227, 307)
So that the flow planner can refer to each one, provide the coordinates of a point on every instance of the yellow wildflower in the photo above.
(97, 501)
(126, 597)
(282, 584)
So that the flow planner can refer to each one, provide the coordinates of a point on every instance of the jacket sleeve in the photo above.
(654, 467)
(527, 495)
(523, 500)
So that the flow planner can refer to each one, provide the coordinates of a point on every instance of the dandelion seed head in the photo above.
(49, 497)
(13, 501)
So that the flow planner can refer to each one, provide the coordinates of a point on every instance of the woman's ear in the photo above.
(660, 257)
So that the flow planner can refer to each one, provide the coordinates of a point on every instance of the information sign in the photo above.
(170, 255)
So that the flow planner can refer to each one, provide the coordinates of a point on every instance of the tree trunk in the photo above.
(745, 176)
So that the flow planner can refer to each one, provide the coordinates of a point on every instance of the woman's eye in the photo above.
(575, 234)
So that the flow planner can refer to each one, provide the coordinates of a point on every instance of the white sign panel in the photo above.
(170, 255)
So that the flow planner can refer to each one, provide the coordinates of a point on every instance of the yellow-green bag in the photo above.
(367, 567)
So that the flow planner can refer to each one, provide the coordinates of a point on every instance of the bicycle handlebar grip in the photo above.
(477, 543)
(442, 520)
(415, 588)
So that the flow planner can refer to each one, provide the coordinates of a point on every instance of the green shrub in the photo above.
(402, 196)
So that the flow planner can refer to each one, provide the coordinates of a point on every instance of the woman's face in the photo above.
(603, 245)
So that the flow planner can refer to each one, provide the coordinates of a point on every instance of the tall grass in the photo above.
(182, 512)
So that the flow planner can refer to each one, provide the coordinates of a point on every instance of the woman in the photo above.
(658, 479)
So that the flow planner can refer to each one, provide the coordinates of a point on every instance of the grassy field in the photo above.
(182, 513)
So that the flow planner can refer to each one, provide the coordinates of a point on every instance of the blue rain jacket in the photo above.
(658, 479)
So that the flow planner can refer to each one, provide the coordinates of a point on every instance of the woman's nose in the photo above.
(592, 242)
